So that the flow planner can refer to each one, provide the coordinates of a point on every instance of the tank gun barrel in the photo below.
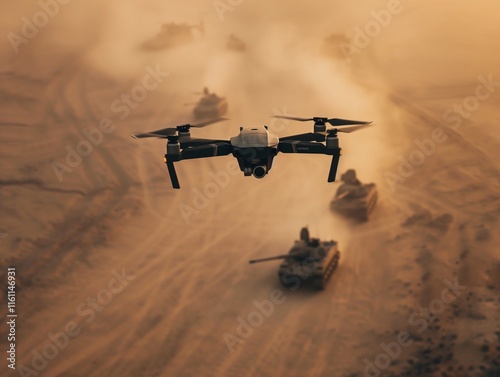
(269, 258)
(343, 195)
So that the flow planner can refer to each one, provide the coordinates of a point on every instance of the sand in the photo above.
(120, 275)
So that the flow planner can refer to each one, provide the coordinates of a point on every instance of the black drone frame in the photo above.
(181, 146)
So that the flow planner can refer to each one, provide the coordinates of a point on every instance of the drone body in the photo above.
(254, 148)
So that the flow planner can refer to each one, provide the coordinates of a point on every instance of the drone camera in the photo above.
(259, 171)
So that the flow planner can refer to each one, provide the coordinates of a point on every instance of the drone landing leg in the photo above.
(173, 174)
(333, 167)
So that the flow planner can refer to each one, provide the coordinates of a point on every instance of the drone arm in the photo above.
(220, 148)
(297, 146)
(319, 137)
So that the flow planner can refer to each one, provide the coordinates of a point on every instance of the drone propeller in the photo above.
(354, 128)
(164, 133)
(172, 131)
(319, 120)
(206, 123)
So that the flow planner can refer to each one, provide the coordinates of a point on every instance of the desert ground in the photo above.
(118, 274)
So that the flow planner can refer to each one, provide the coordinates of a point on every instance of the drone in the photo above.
(254, 148)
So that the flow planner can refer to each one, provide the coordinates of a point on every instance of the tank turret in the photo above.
(210, 105)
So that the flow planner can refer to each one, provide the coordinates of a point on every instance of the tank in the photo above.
(210, 106)
(309, 261)
(171, 35)
(354, 199)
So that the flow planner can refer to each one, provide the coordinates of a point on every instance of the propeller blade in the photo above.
(172, 131)
(345, 122)
(332, 121)
(164, 133)
(318, 136)
(207, 122)
(293, 118)
(354, 128)
(193, 142)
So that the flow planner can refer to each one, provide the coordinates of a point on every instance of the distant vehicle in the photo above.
(171, 35)
(309, 260)
(254, 148)
(354, 199)
(210, 106)
(236, 44)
